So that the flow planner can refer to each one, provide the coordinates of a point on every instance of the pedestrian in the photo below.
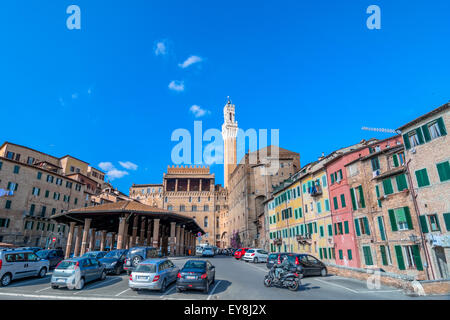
(74, 281)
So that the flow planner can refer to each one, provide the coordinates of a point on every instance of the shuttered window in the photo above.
(377, 191)
(343, 201)
(341, 255)
(349, 253)
(352, 194)
(383, 255)
(361, 197)
(400, 260)
(321, 231)
(381, 227)
(358, 232)
(335, 202)
(330, 230)
(443, 169)
(423, 224)
(422, 178)
(387, 186)
(447, 221)
(395, 160)
(346, 231)
(367, 256)
(401, 182)
(327, 205)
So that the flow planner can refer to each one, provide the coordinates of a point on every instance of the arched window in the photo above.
(206, 222)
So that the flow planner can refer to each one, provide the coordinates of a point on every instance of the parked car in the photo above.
(239, 253)
(53, 256)
(114, 261)
(16, 264)
(198, 251)
(208, 252)
(34, 249)
(153, 274)
(137, 254)
(310, 264)
(91, 269)
(94, 254)
(255, 255)
(196, 274)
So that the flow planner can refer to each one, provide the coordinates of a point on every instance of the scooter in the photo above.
(290, 279)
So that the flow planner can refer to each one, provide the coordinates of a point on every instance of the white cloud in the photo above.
(106, 166)
(190, 61)
(176, 86)
(128, 165)
(160, 49)
(116, 174)
(198, 111)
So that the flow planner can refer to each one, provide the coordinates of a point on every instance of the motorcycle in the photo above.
(289, 279)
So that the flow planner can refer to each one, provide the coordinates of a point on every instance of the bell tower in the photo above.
(229, 134)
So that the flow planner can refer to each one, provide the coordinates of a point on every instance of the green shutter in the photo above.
(346, 231)
(380, 225)
(395, 158)
(352, 193)
(367, 256)
(327, 205)
(349, 253)
(335, 229)
(361, 196)
(401, 182)
(422, 178)
(383, 255)
(417, 259)
(321, 231)
(320, 253)
(325, 253)
(335, 201)
(300, 210)
(426, 133)
(387, 186)
(358, 233)
(366, 225)
(392, 219)
(400, 261)
(441, 125)
(343, 200)
(423, 224)
(447, 221)
(408, 218)
(315, 227)
(377, 191)
(330, 229)
(444, 171)
(295, 213)
(406, 142)
(341, 256)
(420, 135)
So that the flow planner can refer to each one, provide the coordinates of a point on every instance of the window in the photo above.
(401, 182)
(327, 205)
(434, 222)
(12, 186)
(413, 138)
(443, 169)
(194, 208)
(39, 175)
(44, 209)
(182, 207)
(375, 164)
(8, 204)
(205, 207)
(400, 219)
(10, 155)
(170, 207)
(16, 169)
(353, 170)
(367, 256)
(32, 208)
(30, 160)
(50, 178)
(72, 169)
(434, 130)
(36, 191)
(343, 200)
(422, 178)
(335, 202)
(4, 223)
(357, 196)
(387, 186)
(381, 228)
(408, 257)
(362, 226)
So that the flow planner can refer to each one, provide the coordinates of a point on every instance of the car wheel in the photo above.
(255, 260)
(134, 289)
(323, 272)
(267, 281)
(117, 271)
(103, 276)
(42, 272)
(163, 286)
(54, 286)
(206, 290)
(6, 280)
(81, 284)
(135, 261)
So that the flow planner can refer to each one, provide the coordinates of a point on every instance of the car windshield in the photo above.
(195, 264)
(250, 251)
(67, 265)
(149, 268)
(114, 254)
(90, 254)
(42, 253)
(207, 248)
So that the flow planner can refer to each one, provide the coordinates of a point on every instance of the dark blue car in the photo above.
(114, 261)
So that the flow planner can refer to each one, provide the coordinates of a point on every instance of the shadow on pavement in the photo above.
(307, 286)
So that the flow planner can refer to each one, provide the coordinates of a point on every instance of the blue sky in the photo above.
(311, 69)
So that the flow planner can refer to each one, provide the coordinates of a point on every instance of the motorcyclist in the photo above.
(282, 267)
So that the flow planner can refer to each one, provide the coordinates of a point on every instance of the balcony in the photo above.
(278, 242)
(304, 238)
(316, 191)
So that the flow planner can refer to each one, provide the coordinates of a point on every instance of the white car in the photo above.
(256, 255)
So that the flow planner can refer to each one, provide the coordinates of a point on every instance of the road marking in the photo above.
(24, 283)
(54, 297)
(167, 291)
(337, 285)
(42, 289)
(212, 292)
(381, 291)
(95, 286)
(122, 292)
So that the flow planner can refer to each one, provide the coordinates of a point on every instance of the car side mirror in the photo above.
(213, 267)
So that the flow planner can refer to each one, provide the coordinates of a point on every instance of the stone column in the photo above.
(182, 241)
(121, 233)
(87, 225)
(156, 233)
(92, 240)
(189, 185)
(172, 238)
(76, 251)
(178, 240)
(126, 239)
(69, 240)
(176, 185)
(103, 241)
(142, 233)
(134, 231)
(149, 232)
(200, 185)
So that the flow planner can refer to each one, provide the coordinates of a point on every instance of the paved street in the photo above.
(235, 280)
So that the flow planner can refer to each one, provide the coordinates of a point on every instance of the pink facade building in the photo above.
(343, 198)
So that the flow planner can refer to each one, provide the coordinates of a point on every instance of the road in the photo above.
(235, 280)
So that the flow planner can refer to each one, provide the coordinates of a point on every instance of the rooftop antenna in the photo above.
(379, 130)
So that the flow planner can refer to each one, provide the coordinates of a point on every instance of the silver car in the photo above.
(153, 274)
(17, 264)
(91, 269)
